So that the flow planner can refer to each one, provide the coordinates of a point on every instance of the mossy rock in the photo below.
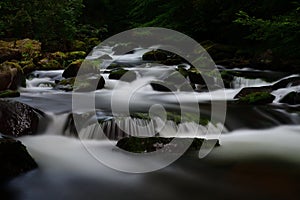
(155, 55)
(9, 54)
(75, 55)
(122, 74)
(257, 98)
(17, 119)
(152, 144)
(47, 64)
(176, 117)
(15, 159)
(162, 86)
(29, 67)
(78, 45)
(9, 94)
(116, 66)
(84, 83)
(196, 77)
(85, 66)
(11, 75)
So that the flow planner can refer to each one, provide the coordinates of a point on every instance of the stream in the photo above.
(258, 157)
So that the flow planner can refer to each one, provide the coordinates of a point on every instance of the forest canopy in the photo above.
(268, 23)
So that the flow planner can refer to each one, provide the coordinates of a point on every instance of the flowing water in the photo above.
(258, 157)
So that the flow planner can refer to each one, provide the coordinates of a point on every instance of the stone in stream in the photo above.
(86, 67)
(122, 74)
(14, 158)
(293, 98)
(151, 144)
(17, 119)
(9, 94)
(257, 98)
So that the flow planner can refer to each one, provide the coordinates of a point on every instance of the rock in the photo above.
(87, 67)
(293, 98)
(250, 90)
(28, 67)
(151, 144)
(199, 78)
(17, 119)
(10, 75)
(9, 93)
(89, 83)
(161, 86)
(48, 64)
(15, 159)
(287, 82)
(155, 55)
(257, 98)
(9, 54)
(123, 48)
(16, 50)
(75, 55)
(79, 45)
(122, 74)
(83, 83)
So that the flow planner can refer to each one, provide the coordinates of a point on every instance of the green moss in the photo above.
(176, 117)
(151, 144)
(75, 55)
(257, 98)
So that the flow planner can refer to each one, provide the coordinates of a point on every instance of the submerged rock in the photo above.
(17, 119)
(15, 159)
(151, 144)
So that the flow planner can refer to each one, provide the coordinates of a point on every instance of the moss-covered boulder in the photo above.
(250, 90)
(10, 75)
(79, 45)
(83, 83)
(257, 98)
(75, 55)
(162, 86)
(15, 159)
(122, 74)
(19, 49)
(292, 98)
(9, 94)
(155, 55)
(197, 77)
(85, 66)
(48, 64)
(151, 144)
(17, 119)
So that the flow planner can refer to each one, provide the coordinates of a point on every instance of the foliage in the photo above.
(282, 32)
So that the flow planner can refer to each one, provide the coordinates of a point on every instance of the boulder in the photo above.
(155, 55)
(293, 98)
(17, 119)
(161, 86)
(15, 159)
(87, 68)
(10, 75)
(48, 64)
(257, 98)
(250, 90)
(151, 144)
(122, 74)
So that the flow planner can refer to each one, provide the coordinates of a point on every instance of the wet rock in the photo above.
(122, 74)
(75, 55)
(48, 64)
(82, 84)
(250, 90)
(293, 98)
(196, 77)
(10, 75)
(257, 98)
(161, 86)
(86, 68)
(9, 54)
(287, 82)
(15, 159)
(151, 144)
(17, 119)
(155, 55)
(9, 93)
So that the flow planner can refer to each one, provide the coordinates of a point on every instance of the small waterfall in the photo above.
(240, 82)
(121, 127)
